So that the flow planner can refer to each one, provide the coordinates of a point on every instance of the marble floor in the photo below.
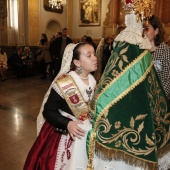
(20, 101)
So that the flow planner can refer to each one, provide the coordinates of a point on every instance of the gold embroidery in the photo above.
(121, 138)
(158, 105)
(123, 133)
(73, 97)
(106, 82)
(122, 95)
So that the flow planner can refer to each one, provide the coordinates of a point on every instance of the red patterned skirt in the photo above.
(42, 155)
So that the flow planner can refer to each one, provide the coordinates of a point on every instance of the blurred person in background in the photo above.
(3, 64)
(90, 41)
(18, 62)
(106, 51)
(59, 46)
(58, 34)
(28, 60)
(46, 59)
(83, 38)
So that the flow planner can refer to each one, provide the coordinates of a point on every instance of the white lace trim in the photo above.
(103, 164)
(65, 67)
(164, 162)
(133, 33)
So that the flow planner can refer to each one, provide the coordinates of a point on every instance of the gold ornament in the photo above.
(142, 8)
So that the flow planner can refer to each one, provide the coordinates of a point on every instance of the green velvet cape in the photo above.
(129, 111)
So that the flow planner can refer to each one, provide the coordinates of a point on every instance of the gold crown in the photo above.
(142, 8)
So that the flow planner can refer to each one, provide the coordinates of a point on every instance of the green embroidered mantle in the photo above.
(130, 113)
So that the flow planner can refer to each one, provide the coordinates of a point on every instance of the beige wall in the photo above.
(32, 27)
(45, 17)
(93, 31)
(3, 22)
(70, 19)
(34, 20)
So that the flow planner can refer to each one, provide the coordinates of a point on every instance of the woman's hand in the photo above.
(74, 130)
(24, 57)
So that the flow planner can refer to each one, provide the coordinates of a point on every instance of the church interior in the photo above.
(21, 24)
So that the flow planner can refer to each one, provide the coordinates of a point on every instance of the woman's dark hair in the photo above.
(2, 51)
(59, 33)
(76, 54)
(155, 23)
(18, 48)
(44, 40)
(89, 39)
(106, 39)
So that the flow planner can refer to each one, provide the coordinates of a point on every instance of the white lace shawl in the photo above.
(65, 67)
(133, 33)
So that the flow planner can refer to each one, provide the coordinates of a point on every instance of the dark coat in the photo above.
(57, 45)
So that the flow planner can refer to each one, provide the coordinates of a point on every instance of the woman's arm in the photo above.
(5, 61)
(165, 76)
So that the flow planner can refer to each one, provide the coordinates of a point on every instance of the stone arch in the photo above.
(52, 27)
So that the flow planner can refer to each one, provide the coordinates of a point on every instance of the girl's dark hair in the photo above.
(2, 51)
(155, 23)
(76, 54)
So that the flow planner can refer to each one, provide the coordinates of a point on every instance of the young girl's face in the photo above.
(88, 60)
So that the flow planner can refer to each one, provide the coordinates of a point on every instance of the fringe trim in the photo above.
(110, 154)
(163, 151)
(90, 168)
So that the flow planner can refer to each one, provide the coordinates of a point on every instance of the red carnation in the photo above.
(128, 1)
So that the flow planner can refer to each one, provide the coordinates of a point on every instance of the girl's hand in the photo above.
(74, 130)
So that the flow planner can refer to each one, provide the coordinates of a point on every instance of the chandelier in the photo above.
(57, 3)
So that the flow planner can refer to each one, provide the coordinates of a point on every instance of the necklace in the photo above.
(84, 78)
(89, 92)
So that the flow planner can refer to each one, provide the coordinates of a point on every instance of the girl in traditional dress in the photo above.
(61, 143)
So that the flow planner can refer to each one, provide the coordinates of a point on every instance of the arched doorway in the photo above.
(52, 27)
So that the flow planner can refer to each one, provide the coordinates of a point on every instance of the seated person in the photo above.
(29, 60)
(3, 64)
(17, 61)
